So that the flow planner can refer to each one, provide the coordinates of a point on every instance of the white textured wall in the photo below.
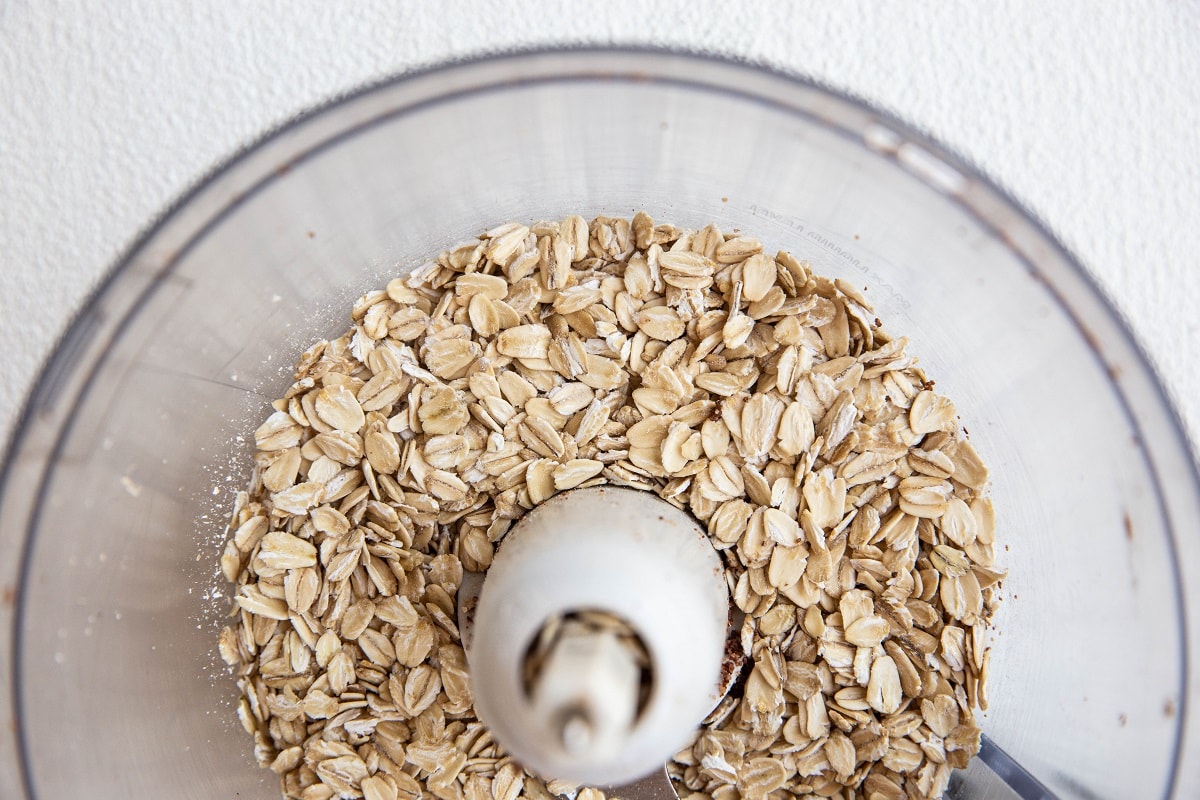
(1089, 112)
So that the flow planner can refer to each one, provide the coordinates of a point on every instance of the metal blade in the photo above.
(994, 775)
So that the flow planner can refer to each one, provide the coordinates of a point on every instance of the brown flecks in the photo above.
(1006, 237)
(1090, 338)
(878, 322)
(1128, 526)
(469, 607)
(724, 199)
(734, 659)
(283, 169)
(857, 237)
(9, 597)
(312, 234)
(1169, 709)
(1123, 720)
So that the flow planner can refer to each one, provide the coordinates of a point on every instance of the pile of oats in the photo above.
(838, 487)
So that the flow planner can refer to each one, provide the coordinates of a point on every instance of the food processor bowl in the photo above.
(136, 437)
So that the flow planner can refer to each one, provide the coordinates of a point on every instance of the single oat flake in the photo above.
(848, 507)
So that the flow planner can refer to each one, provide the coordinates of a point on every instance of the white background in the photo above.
(1088, 112)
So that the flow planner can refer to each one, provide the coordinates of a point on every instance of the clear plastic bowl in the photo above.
(130, 448)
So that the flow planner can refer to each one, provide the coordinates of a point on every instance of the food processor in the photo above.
(136, 438)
